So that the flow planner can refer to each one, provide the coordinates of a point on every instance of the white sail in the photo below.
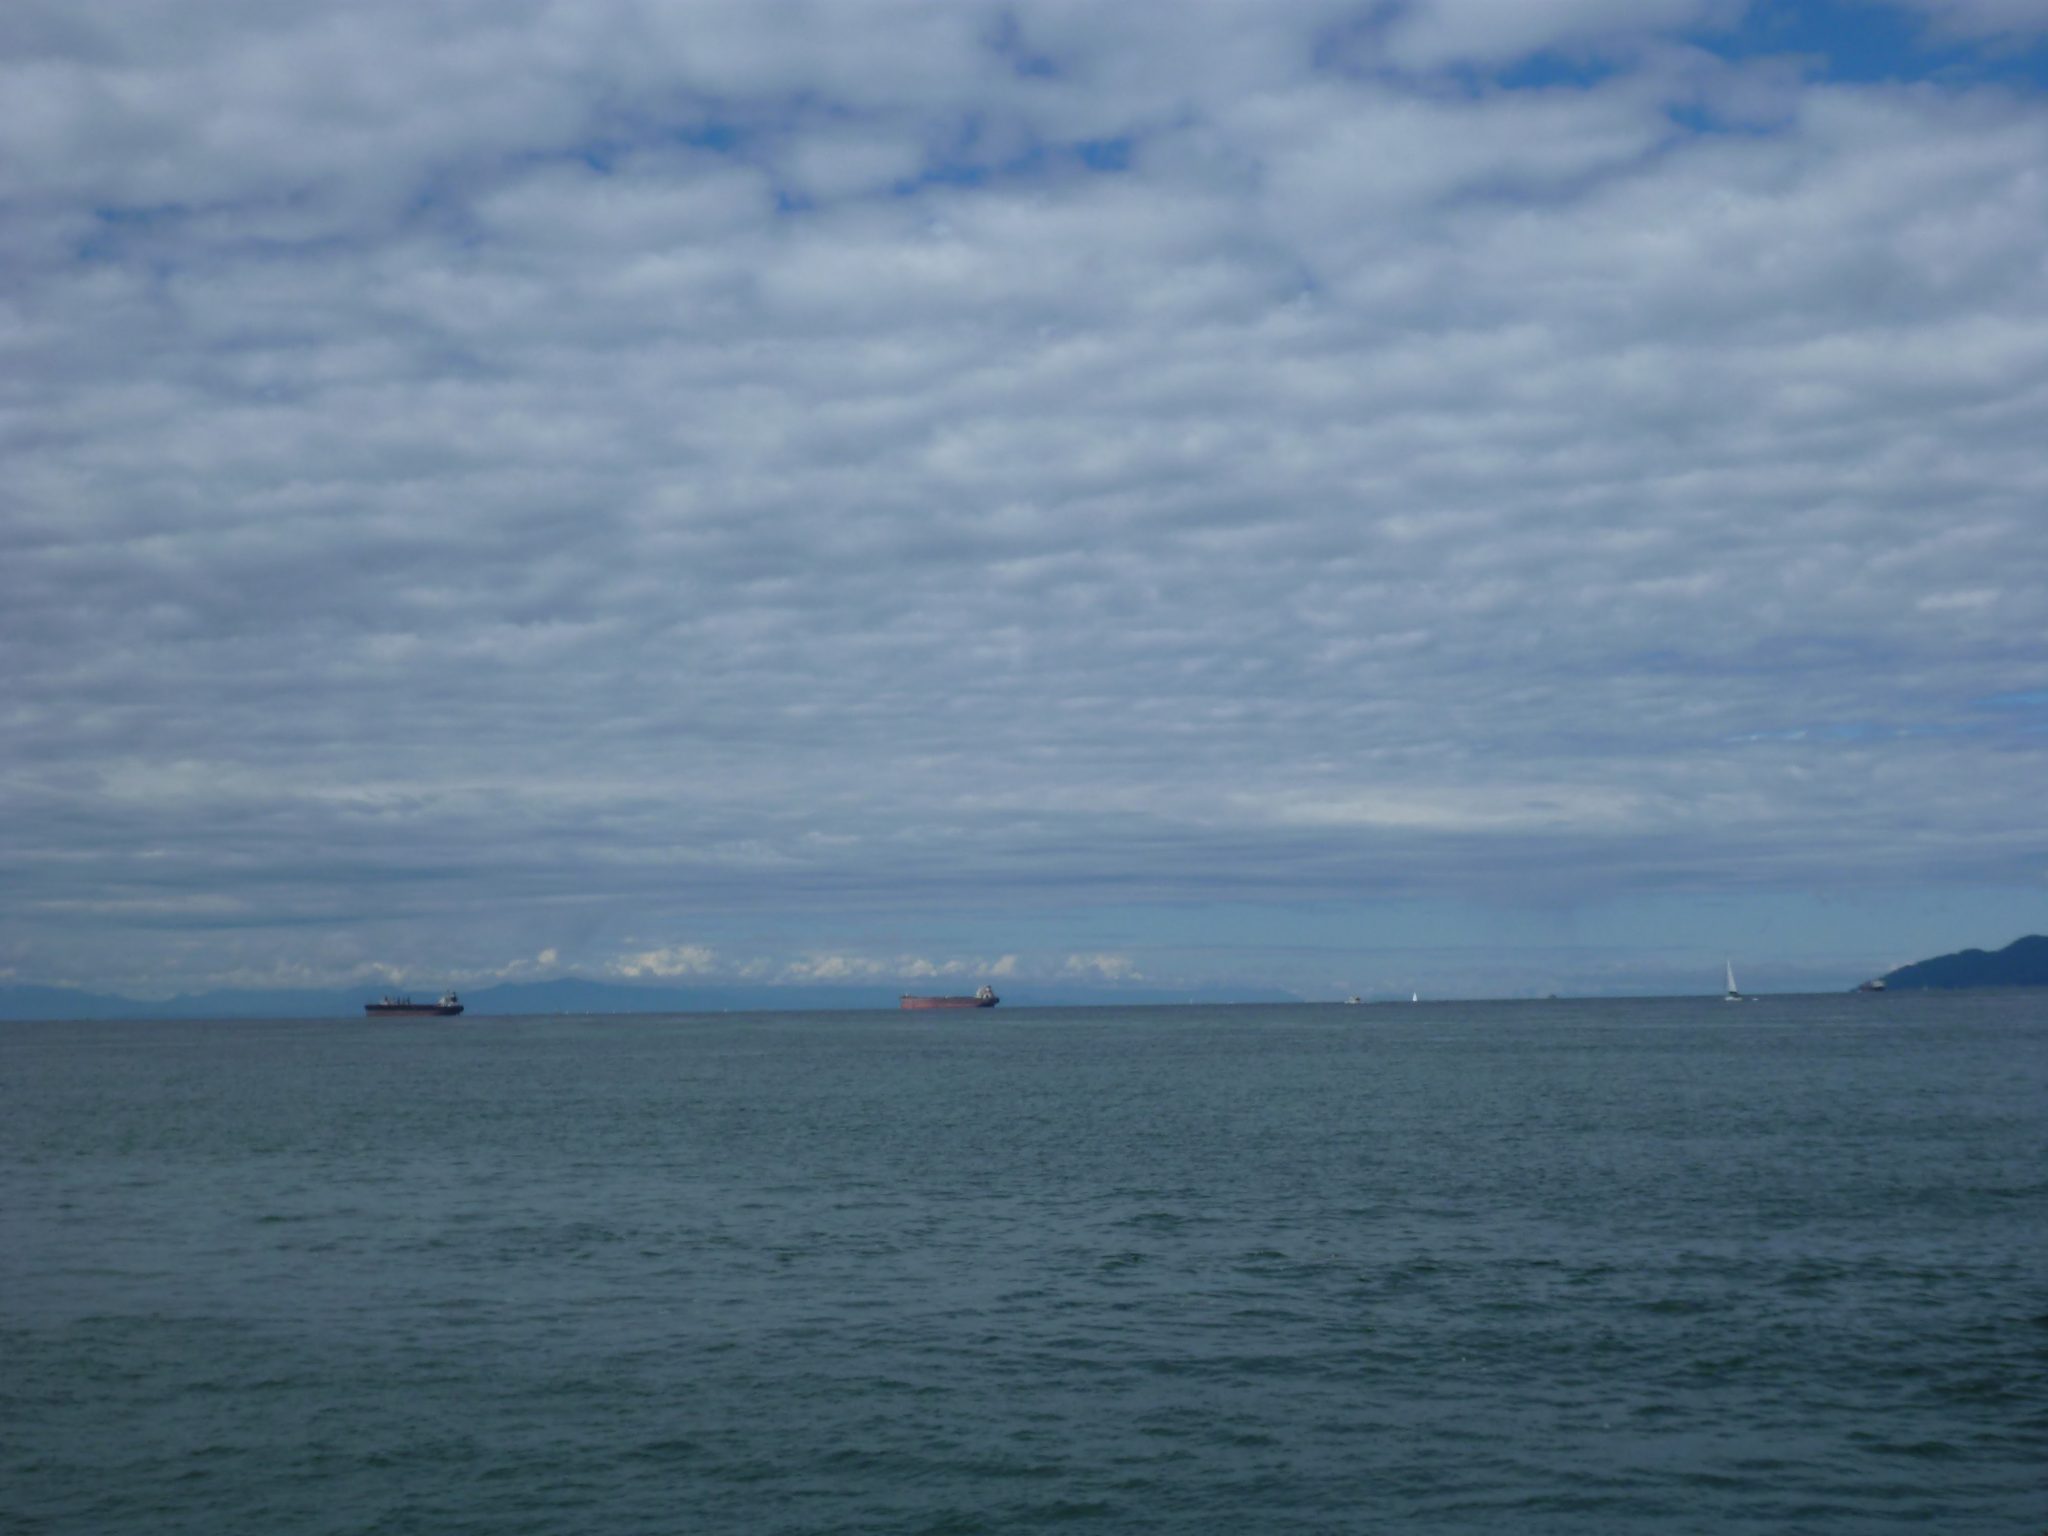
(1733, 995)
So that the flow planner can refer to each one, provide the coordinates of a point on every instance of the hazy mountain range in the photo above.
(2023, 963)
(568, 994)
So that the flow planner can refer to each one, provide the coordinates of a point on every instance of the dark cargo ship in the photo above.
(985, 998)
(405, 1008)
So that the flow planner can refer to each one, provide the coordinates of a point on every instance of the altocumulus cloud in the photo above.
(864, 480)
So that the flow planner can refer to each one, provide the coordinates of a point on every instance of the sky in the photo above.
(1443, 495)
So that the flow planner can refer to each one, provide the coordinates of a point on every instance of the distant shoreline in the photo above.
(2022, 963)
(130, 1011)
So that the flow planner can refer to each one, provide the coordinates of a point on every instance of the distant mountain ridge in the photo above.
(566, 994)
(2022, 963)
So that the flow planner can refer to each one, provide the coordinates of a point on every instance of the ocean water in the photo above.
(1566, 1267)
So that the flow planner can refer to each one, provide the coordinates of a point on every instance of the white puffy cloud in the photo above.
(1102, 967)
(488, 481)
(671, 960)
(835, 968)
(1429, 34)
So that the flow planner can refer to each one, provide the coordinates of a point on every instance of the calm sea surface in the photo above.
(1586, 1268)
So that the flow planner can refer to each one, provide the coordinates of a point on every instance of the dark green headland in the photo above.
(2022, 963)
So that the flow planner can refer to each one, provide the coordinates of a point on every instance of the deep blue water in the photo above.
(1587, 1268)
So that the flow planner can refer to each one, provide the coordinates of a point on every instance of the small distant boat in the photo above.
(1875, 984)
(985, 997)
(1353, 1001)
(1733, 994)
(389, 1007)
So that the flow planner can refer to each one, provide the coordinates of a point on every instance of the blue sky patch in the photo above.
(1865, 42)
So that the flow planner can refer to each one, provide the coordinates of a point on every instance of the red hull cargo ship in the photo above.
(406, 1008)
(985, 998)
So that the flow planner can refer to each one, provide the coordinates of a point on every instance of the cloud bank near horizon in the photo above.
(828, 484)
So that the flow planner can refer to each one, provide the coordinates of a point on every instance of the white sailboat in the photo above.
(1734, 995)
